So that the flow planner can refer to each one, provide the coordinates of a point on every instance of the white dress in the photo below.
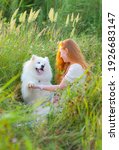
(75, 71)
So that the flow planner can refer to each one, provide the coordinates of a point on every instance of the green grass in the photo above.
(89, 11)
(78, 126)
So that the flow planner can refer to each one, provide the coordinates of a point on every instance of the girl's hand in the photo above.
(41, 87)
(56, 99)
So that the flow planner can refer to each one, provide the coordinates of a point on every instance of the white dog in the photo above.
(36, 71)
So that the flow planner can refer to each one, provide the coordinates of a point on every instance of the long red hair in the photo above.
(74, 54)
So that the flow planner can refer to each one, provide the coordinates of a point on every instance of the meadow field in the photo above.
(36, 27)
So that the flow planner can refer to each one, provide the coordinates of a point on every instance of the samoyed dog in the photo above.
(36, 71)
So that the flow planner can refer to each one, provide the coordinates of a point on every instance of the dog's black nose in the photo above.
(42, 66)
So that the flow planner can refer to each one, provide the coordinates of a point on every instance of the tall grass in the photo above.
(89, 11)
(76, 122)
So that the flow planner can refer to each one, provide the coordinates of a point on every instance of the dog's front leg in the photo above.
(31, 84)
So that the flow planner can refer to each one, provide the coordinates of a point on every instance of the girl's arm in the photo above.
(62, 85)
(49, 87)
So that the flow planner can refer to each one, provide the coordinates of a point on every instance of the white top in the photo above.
(75, 71)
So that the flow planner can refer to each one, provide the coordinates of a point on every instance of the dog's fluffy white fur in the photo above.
(36, 71)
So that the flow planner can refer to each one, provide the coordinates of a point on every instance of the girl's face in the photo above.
(63, 54)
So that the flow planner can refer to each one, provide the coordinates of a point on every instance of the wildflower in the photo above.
(30, 16)
(22, 17)
(67, 21)
(14, 14)
(51, 14)
(73, 25)
(33, 15)
(77, 18)
(18, 29)
(36, 14)
(12, 24)
(72, 32)
(13, 20)
(55, 18)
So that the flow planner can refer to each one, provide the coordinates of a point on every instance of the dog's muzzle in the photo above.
(39, 70)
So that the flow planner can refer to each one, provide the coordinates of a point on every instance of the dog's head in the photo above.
(40, 64)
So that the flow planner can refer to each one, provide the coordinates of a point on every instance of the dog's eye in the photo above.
(38, 62)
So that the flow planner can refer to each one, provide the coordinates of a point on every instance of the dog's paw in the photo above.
(31, 85)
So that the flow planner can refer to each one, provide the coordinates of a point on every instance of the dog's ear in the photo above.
(47, 59)
(33, 57)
